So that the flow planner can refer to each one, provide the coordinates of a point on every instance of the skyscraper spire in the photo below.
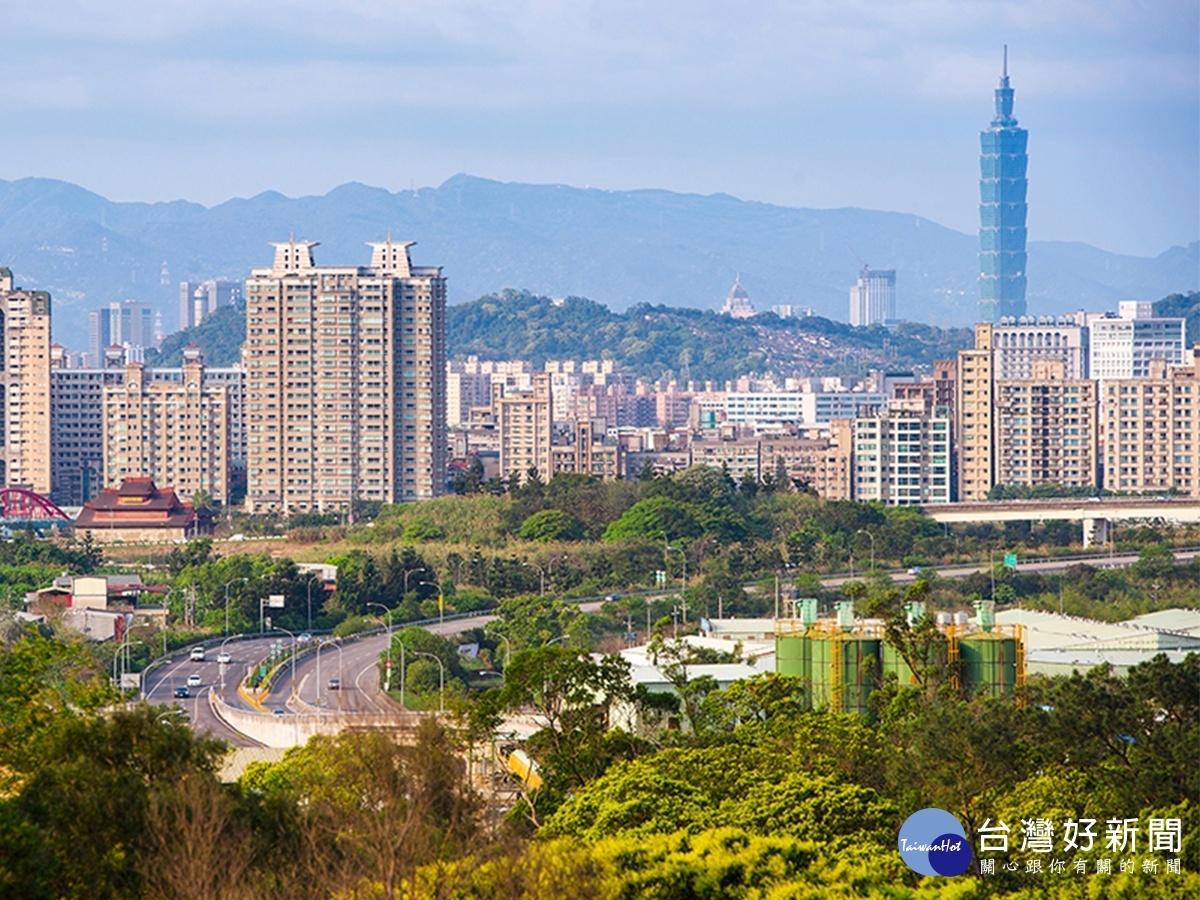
(1002, 209)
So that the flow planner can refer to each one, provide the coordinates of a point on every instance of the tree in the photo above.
(551, 525)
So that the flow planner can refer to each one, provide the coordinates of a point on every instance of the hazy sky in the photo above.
(823, 103)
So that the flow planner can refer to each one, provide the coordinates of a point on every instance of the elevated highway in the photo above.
(1094, 512)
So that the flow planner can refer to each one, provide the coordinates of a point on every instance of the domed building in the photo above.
(737, 302)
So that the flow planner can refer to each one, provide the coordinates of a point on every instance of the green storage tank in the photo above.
(989, 663)
(793, 655)
(858, 671)
(894, 662)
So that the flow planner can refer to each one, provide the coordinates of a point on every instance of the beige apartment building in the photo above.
(589, 456)
(974, 419)
(1152, 431)
(525, 425)
(1046, 429)
(176, 434)
(823, 462)
(345, 380)
(24, 387)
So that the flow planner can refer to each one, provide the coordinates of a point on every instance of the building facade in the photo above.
(1018, 343)
(200, 299)
(524, 421)
(171, 433)
(1152, 431)
(873, 298)
(1046, 429)
(24, 387)
(902, 457)
(345, 381)
(1124, 346)
(974, 417)
(1003, 185)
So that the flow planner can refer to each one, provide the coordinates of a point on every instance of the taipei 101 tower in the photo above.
(1002, 187)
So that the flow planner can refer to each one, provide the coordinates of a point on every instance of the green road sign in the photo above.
(1010, 560)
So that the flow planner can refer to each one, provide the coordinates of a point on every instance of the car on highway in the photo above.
(916, 570)
(181, 691)
(303, 638)
(194, 681)
(613, 598)
(335, 684)
(224, 657)
(279, 712)
(197, 654)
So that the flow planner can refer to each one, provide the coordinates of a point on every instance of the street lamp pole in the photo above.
(683, 590)
(408, 572)
(222, 665)
(542, 573)
(441, 679)
(872, 537)
(441, 601)
(507, 646)
(293, 637)
(387, 682)
(308, 589)
(228, 585)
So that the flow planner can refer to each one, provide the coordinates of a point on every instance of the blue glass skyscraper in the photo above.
(1002, 208)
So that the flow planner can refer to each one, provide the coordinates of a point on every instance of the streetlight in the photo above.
(293, 637)
(308, 589)
(683, 590)
(387, 681)
(408, 572)
(336, 644)
(507, 645)
(228, 585)
(222, 665)
(872, 537)
(122, 650)
(441, 679)
(542, 573)
(441, 601)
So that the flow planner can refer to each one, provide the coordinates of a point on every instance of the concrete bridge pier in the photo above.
(1095, 531)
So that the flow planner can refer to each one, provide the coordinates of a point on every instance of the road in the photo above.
(355, 663)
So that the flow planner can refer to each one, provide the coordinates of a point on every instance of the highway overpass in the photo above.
(1094, 512)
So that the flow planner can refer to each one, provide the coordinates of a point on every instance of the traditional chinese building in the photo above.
(138, 511)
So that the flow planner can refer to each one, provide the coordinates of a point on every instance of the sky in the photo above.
(816, 103)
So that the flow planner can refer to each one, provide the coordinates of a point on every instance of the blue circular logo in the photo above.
(933, 842)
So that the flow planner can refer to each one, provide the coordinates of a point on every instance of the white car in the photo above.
(194, 681)
(223, 657)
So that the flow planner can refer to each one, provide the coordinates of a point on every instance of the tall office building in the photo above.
(1002, 188)
(1123, 346)
(128, 324)
(200, 299)
(345, 381)
(24, 386)
(873, 299)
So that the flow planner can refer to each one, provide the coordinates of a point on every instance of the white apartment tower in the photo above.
(345, 381)
(873, 299)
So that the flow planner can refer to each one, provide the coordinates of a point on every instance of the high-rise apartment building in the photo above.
(873, 299)
(1124, 345)
(1002, 209)
(1018, 343)
(1152, 431)
(974, 417)
(525, 424)
(902, 457)
(77, 421)
(1046, 429)
(24, 386)
(345, 380)
(176, 434)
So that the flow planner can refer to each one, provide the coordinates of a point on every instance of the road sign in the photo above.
(275, 601)
(660, 577)
(1010, 561)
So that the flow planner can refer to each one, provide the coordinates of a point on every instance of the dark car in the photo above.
(182, 691)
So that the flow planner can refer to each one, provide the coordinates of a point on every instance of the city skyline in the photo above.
(774, 107)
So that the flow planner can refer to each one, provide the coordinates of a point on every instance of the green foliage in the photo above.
(653, 341)
(220, 337)
(551, 525)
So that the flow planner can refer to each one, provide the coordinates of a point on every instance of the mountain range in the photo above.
(621, 248)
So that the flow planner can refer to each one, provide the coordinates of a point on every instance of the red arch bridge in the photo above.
(19, 506)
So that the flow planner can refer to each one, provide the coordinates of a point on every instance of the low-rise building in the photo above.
(139, 512)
